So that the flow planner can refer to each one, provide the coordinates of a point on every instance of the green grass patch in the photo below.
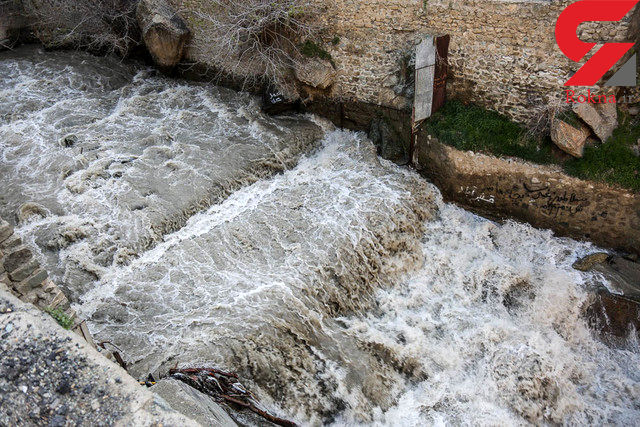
(60, 317)
(313, 50)
(614, 161)
(470, 127)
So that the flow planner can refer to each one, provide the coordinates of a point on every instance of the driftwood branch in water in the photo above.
(225, 387)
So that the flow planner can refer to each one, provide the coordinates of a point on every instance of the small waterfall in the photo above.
(192, 229)
(118, 157)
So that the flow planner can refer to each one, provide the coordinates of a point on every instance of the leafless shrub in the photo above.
(540, 122)
(252, 39)
(97, 25)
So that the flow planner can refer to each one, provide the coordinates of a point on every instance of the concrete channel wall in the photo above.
(543, 196)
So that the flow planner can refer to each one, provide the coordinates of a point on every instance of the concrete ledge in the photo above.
(50, 376)
(542, 196)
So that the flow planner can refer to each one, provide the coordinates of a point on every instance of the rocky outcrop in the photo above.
(50, 376)
(544, 196)
(22, 275)
(163, 31)
(614, 310)
(568, 138)
(316, 72)
(192, 403)
(602, 118)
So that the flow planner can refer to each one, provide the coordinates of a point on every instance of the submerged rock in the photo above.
(163, 31)
(615, 307)
(69, 141)
(29, 211)
(623, 276)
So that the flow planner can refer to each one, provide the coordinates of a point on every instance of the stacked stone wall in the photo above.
(22, 274)
(503, 54)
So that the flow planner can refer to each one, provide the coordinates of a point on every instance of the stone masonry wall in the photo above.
(24, 277)
(502, 55)
(540, 195)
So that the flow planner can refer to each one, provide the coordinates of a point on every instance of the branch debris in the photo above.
(225, 387)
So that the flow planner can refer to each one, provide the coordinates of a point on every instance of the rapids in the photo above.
(189, 228)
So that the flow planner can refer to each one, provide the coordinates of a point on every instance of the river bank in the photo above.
(290, 271)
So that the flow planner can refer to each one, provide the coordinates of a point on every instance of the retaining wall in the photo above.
(24, 277)
(540, 195)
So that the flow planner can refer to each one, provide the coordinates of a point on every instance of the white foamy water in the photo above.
(252, 284)
(343, 290)
(118, 156)
(490, 332)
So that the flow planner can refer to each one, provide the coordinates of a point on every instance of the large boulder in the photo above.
(602, 118)
(316, 72)
(163, 31)
(568, 138)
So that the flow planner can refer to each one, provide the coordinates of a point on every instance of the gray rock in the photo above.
(19, 256)
(163, 31)
(13, 241)
(5, 230)
(49, 375)
(34, 280)
(192, 403)
(568, 138)
(602, 118)
(24, 271)
(316, 72)
(588, 262)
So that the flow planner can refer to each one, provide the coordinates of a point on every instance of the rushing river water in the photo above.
(191, 229)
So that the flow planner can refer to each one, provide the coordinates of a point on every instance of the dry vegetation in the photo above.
(252, 39)
(96, 25)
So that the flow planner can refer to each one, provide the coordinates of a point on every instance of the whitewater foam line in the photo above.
(144, 154)
(252, 284)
